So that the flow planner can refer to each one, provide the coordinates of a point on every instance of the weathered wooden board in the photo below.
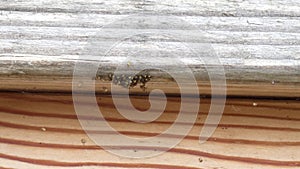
(257, 42)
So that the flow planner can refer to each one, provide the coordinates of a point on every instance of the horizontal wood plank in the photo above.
(257, 43)
(42, 130)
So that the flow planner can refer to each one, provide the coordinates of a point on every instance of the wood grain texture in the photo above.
(257, 42)
(42, 131)
(58, 84)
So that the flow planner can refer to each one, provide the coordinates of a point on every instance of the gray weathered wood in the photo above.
(256, 41)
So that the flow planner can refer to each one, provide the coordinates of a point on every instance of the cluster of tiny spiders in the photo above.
(129, 81)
